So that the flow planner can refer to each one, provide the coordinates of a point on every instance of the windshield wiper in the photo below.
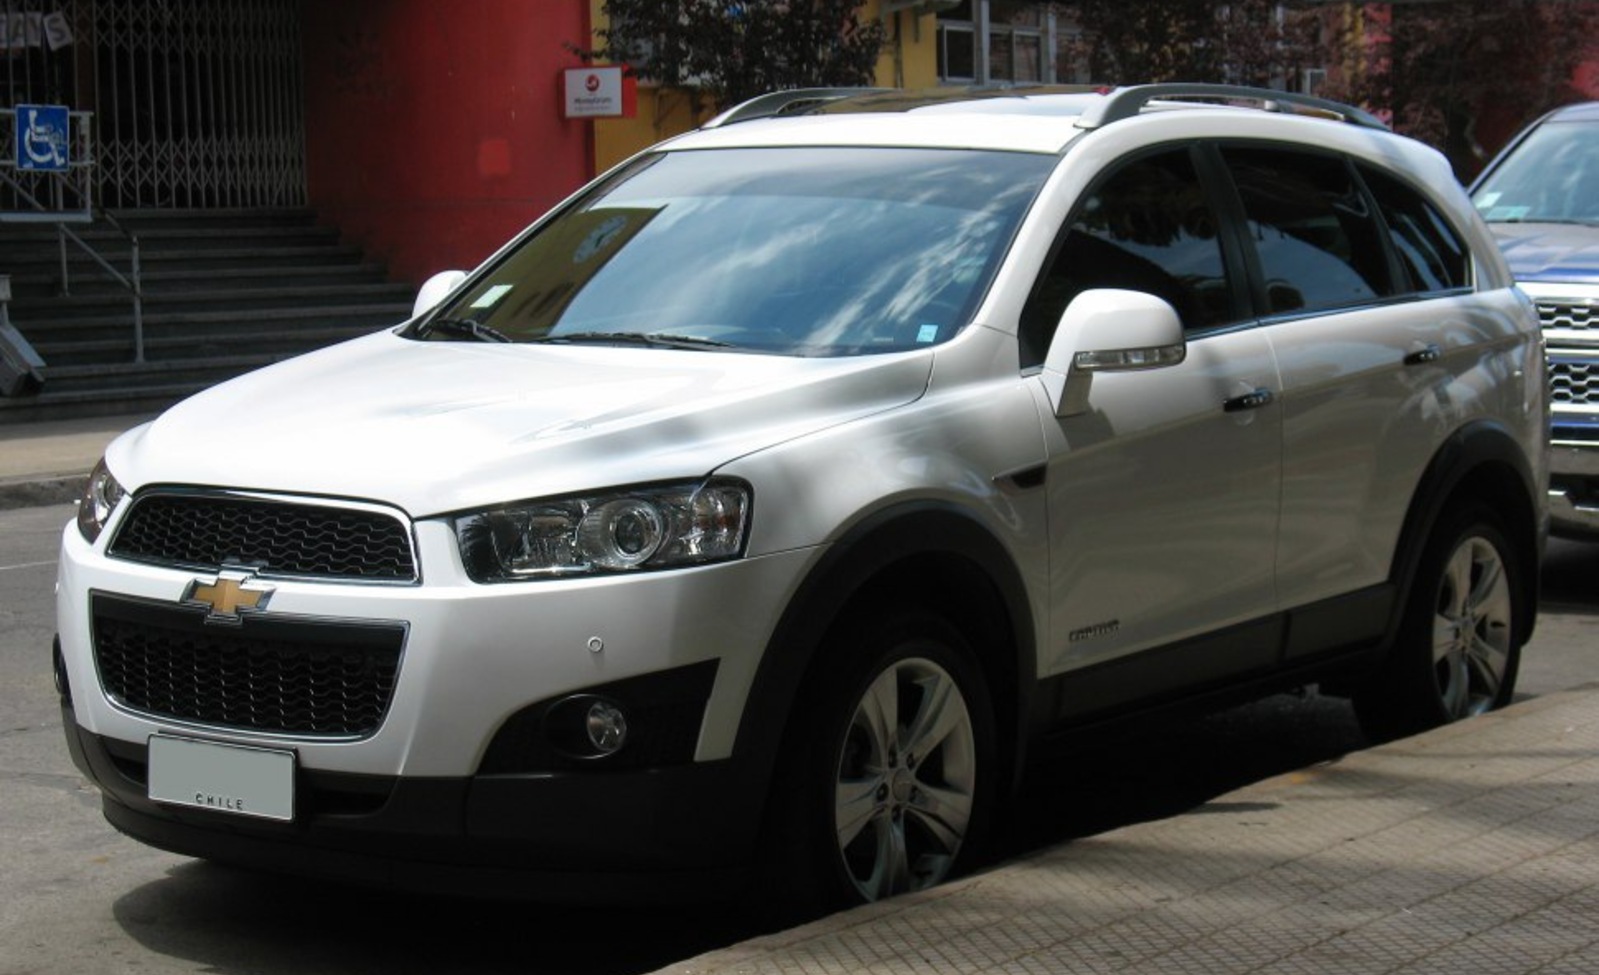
(1568, 221)
(464, 328)
(663, 340)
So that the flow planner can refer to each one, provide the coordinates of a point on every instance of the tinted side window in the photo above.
(1428, 247)
(1320, 246)
(1149, 227)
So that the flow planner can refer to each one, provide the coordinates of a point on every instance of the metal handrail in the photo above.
(81, 165)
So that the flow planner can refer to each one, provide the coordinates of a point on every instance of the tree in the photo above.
(1444, 67)
(1252, 42)
(1439, 66)
(727, 51)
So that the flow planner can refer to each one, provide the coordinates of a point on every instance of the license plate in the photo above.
(232, 779)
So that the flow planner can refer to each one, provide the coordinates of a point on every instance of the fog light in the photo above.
(607, 727)
(586, 727)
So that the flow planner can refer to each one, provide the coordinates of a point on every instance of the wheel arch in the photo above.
(1483, 461)
(926, 554)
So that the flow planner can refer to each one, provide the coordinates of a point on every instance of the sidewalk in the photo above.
(1474, 848)
(47, 463)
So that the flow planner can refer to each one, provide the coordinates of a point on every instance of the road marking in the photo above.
(26, 565)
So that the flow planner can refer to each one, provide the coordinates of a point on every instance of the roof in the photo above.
(1041, 118)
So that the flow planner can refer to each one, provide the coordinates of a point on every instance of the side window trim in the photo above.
(1246, 278)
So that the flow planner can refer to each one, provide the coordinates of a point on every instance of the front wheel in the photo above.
(887, 777)
(1459, 647)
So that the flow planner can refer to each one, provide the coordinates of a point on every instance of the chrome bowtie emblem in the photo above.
(228, 595)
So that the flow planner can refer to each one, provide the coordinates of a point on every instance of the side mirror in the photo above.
(1108, 330)
(435, 289)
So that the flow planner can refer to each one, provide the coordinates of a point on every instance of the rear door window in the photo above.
(1313, 229)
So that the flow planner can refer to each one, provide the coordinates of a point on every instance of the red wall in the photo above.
(434, 128)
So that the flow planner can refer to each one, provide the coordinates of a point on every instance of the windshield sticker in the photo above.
(927, 333)
(491, 297)
(598, 238)
(1488, 200)
(1507, 213)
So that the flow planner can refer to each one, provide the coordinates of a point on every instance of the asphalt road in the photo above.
(80, 898)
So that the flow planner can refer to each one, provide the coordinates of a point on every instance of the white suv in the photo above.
(756, 508)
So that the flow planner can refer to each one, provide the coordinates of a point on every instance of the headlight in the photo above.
(660, 527)
(100, 497)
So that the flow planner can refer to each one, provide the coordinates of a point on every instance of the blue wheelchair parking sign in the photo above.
(42, 144)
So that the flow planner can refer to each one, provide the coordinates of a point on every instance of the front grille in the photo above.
(289, 676)
(274, 537)
(1577, 316)
(1574, 383)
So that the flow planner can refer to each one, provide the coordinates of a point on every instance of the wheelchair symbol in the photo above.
(42, 143)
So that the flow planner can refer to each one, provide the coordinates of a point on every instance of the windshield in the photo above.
(1551, 177)
(794, 251)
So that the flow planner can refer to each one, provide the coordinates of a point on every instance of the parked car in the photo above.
(756, 510)
(1540, 197)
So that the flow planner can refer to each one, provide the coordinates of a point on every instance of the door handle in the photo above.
(1252, 400)
(1425, 354)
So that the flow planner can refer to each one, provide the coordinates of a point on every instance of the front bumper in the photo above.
(1574, 484)
(574, 837)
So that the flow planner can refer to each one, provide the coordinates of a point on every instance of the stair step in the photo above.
(168, 348)
(107, 401)
(398, 311)
(40, 309)
(93, 281)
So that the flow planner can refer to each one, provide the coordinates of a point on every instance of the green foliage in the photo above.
(730, 50)
(1251, 42)
(1438, 65)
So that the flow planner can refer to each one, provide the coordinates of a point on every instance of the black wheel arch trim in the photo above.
(863, 555)
(1482, 451)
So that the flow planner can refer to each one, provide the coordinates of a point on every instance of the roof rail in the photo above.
(1123, 103)
(791, 102)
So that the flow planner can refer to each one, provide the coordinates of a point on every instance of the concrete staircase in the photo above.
(225, 291)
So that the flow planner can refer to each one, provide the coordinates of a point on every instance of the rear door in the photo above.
(1362, 287)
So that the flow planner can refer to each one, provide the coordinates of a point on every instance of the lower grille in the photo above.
(302, 677)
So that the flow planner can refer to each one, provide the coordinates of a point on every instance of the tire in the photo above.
(1459, 645)
(884, 786)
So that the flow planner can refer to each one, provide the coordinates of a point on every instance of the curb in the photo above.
(39, 491)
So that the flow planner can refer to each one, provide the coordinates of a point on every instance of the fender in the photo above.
(1486, 454)
(864, 554)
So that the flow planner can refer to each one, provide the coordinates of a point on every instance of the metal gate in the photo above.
(196, 103)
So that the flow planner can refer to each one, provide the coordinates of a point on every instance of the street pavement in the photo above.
(1473, 848)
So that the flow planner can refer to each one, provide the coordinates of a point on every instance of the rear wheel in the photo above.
(1459, 647)
(887, 777)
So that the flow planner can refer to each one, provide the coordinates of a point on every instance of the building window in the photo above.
(1015, 40)
(957, 45)
(983, 41)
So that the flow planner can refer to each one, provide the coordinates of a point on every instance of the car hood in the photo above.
(434, 427)
(1564, 253)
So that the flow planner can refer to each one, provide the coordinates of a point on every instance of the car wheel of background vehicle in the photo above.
(1459, 649)
(886, 781)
